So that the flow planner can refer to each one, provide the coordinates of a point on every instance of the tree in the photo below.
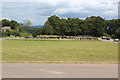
(5, 22)
(25, 27)
(92, 26)
(47, 29)
(27, 23)
(95, 25)
(0, 23)
(55, 22)
(26, 35)
(36, 32)
(74, 26)
(118, 33)
(15, 33)
(6, 33)
(111, 26)
(13, 24)
(63, 26)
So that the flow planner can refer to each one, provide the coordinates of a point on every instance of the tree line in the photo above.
(17, 29)
(91, 26)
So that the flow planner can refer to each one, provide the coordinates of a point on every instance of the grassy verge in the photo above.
(59, 51)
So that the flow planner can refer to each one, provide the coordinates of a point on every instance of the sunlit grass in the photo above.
(65, 51)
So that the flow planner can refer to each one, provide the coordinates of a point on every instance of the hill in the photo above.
(36, 26)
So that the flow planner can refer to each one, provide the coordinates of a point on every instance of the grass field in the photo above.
(59, 51)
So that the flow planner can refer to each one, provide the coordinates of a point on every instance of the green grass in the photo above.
(48, 36)
(59, 51)
(10, 36)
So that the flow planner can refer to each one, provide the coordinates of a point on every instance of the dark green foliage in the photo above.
(13, 24)
(15, 33)
(112, 28)
(118, 33)
(34, 34)
(55, 22)
(47, 29)
(95, 26)
(6, 33)
(0, 24)
(5, 22)
(91, 26)
(37, 31)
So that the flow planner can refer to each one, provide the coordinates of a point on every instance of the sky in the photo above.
(38, 11)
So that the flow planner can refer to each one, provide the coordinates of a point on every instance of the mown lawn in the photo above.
(59, 51)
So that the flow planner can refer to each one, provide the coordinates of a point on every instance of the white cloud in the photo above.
(94, 7)
(39, 10)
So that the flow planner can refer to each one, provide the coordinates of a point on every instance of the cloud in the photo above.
(39, 10)
(106, 9)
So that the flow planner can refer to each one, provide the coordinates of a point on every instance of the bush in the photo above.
(6, 33)
(25, 35)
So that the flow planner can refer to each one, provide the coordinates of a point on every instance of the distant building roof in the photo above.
(6, 28)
